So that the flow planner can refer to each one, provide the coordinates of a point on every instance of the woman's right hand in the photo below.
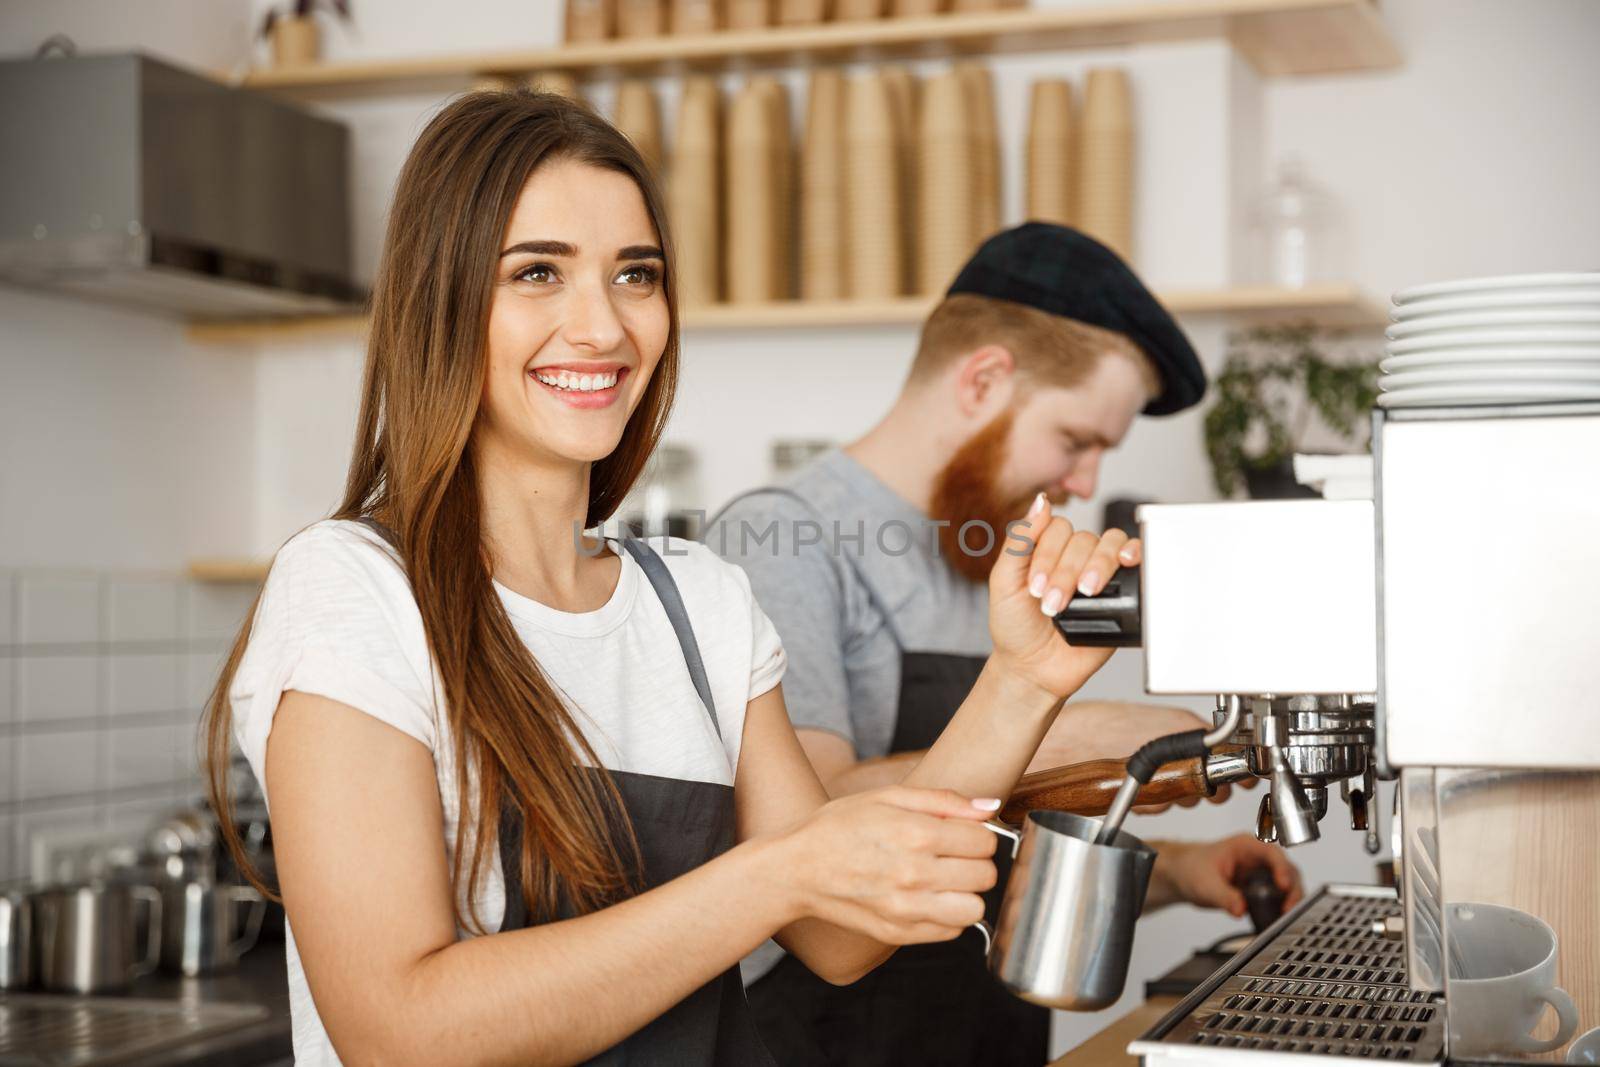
(900, 865)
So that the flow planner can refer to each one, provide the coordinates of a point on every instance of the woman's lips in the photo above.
(584, 399)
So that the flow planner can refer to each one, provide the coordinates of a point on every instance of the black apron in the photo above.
(927, 1004)
(679, 825)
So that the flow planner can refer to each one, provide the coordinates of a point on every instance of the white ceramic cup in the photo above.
(1586, 1049)
(1502, 974)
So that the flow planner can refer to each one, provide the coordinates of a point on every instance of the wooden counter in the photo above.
(1109, 1048)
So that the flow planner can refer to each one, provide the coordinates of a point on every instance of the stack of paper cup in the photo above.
(846, 10)
(590, 20)
(905, 95)
(872, 181)
(947, 190)
(696, 16)
(639, 119)
(694, 191)
(1050, 151)
(1105, 171)
(822, 246)
(985, 149)
(801, 12)
(785, 223)
(749, 14)
(641, 18)
(754, 183)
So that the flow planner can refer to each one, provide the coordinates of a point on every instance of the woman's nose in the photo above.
(591, 321)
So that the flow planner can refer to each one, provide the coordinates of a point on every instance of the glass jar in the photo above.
(1296, 231)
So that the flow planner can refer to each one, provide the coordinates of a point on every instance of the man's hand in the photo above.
(1108, 729)
(1114, 729)
(1210, 875)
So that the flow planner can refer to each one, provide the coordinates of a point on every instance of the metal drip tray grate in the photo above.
(1325, 986)
(38, 1030)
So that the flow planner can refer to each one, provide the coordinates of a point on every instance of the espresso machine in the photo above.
(1444, 634)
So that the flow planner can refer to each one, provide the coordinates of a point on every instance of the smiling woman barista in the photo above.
(534, 795)
(1038, 361)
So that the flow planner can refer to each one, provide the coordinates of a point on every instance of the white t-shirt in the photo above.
(337, 618)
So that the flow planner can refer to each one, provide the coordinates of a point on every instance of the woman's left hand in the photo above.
(1211, 874)
(1044, 563)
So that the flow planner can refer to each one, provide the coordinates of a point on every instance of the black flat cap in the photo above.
(1067, 273)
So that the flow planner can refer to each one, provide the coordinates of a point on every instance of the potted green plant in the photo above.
(294, 32)
(1279, 385)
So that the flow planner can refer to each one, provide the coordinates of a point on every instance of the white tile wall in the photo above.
(142, 684)
(186, 744)
(200, 672)
(8, 610)
(8, 773)
(215, 612)
(131, 818)
(52, 765)
(140, 755)
(102, 679)
(142, 609)
(51, 688)
(58, 608)
(76, 821)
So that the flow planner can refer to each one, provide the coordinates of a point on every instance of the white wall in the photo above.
(1480, 156)
(209, 34)
(124, 452)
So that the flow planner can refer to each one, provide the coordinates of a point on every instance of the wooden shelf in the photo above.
(1331, 305)
(228, 571)
(1278, 37)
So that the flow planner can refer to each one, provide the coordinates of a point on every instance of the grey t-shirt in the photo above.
(850, 573)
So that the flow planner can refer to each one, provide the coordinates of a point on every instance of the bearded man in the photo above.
(873, 561)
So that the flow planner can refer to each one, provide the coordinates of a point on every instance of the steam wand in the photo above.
(1143, 764)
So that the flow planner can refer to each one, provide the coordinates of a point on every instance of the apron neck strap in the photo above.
(667, 591)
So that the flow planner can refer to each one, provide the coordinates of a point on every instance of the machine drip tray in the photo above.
(1322, 988)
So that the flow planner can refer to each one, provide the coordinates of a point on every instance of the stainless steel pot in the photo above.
(16, 938)
(88, 935)
(197, 924)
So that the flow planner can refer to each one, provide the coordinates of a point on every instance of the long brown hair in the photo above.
(516, 743)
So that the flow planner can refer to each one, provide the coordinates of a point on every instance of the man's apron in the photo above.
(927, 1004)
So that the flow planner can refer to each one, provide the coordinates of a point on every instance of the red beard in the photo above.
(968, 491)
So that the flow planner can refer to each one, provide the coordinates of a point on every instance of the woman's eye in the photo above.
(639, 275)
(538, 273)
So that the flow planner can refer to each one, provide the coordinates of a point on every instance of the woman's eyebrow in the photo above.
(541, 248)
(640, 252)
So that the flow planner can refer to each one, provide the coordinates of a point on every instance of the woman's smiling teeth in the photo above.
(577, 383)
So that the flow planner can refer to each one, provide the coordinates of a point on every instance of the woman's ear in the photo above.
(986, 380)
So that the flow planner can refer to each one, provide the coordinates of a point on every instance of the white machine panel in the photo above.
(1259, 597)
(1491, 590)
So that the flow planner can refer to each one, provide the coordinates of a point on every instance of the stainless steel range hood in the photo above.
(132, 181)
